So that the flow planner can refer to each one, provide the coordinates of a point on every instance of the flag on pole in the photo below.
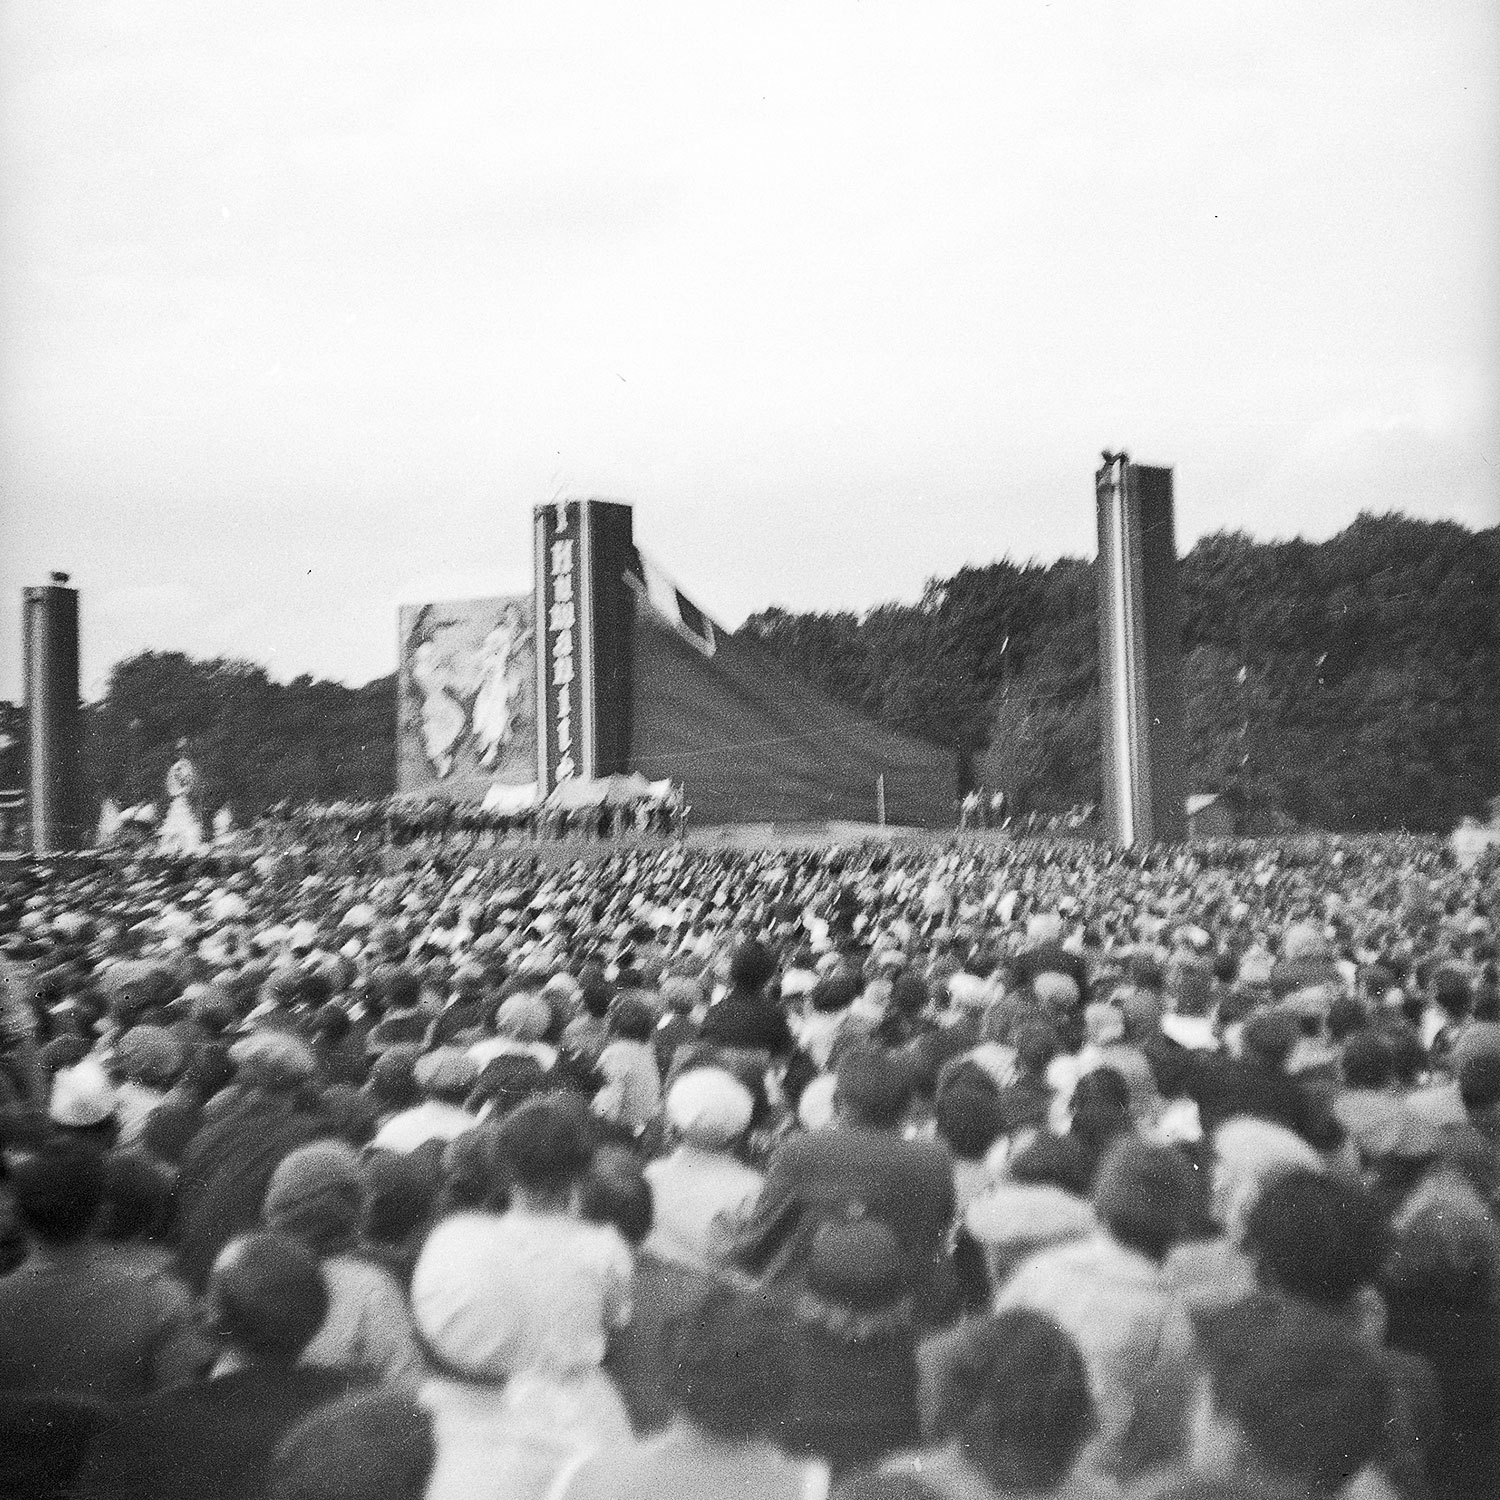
(652, 583)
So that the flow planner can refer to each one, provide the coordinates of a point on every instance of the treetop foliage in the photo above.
(1348, 684)
(254, 741)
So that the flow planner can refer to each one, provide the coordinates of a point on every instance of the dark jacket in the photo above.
(214, 1440)
(828, 1174)
(743, 1019)
(1223, 1087)
(853, 1392)
(225, 1172)
(1025, 1104)
(640, 1355)
(87, 1323)
(1460, 1337)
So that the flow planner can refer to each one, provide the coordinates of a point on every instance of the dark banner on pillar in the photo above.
(611, 550)
(584, 612)
(1162, 632)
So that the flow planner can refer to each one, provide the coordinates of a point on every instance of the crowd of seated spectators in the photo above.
(965, 1171)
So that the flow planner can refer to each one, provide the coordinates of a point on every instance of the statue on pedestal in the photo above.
(182, 828)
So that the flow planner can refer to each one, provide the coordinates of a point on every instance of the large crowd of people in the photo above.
(403, 821)
(964, 1171)
(408, 822)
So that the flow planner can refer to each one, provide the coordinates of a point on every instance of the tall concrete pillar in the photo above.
(1140, 654)
(54, 721)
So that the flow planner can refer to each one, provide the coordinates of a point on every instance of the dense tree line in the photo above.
(1352, 683)
(254, 741)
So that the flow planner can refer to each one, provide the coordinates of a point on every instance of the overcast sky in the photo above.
(303, 306)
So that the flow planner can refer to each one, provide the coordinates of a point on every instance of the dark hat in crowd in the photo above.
(63, 1052)
(751, 966)
(909, 994)
(391, 1075)
(171, 1126)
(149, 1055)
(511, 1079)
(595, 991)
(873, 1084)
(138, 1195)
(1479, 1038)
(396, 1031)
(134, 985)
(833, 992)
(398, 987)
(373, 1445)
(398, 1196)
(1143, 1195)
(1190, 981)
(268, 1294)
(1479, 1080)
(213, 1008)
(969, 1114)
(1271, 1034)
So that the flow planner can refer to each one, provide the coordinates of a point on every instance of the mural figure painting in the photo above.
(494, 717)
(466, 695)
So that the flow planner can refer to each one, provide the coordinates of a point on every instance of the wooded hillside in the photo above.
(1348, 684)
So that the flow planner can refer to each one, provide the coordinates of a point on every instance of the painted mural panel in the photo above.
(466, 707)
